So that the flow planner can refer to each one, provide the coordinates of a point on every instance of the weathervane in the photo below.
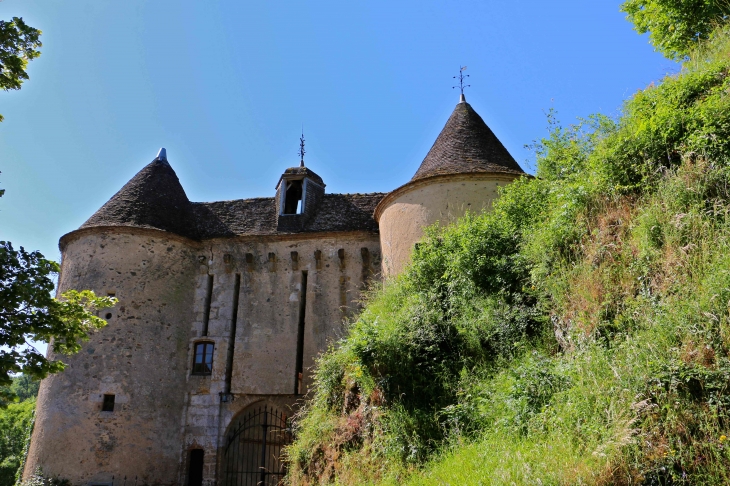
(461, 80)
(301, 148)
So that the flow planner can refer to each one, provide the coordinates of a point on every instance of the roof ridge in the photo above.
(258, 198)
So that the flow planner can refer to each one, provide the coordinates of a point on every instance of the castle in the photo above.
(223, 308)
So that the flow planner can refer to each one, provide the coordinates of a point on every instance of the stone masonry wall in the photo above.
(267, 324)
(144, 356)
(141, 357)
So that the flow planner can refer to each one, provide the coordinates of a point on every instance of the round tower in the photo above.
(462, 172)
(115, 410)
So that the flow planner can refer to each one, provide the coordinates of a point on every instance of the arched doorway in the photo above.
(252, 452)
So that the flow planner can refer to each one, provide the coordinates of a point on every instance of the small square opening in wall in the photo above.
(108, 403)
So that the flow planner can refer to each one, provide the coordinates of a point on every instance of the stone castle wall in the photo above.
(270, 276)
(144, 356)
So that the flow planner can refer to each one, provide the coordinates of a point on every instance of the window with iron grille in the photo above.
(203, 360)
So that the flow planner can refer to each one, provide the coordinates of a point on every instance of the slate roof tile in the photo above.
(153, 198)
(466, 145)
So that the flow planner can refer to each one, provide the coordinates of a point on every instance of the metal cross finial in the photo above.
(461, 80)
(301, 149)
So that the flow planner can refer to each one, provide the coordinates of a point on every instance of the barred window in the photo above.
(203, 360)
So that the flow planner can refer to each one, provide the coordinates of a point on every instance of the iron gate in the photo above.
(252, 455)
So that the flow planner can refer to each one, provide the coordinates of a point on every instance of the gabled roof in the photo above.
(466, 145)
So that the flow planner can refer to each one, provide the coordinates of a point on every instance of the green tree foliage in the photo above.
(23, 387)
(15, 426)
(15, 421)
(19, 44)
(676, 26)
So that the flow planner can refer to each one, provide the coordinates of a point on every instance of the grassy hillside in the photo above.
(577, 334)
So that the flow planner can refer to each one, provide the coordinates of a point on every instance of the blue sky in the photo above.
(225, 86)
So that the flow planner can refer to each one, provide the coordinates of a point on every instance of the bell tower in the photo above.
(298, 195)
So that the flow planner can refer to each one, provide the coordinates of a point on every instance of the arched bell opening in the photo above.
(253, 445)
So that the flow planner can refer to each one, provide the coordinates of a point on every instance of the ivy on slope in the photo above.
(577, 333)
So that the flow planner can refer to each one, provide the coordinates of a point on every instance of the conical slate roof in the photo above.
(153, 198)
(466, 145)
